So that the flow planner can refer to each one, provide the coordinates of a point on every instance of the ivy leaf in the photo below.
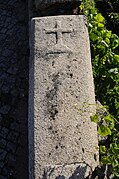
(102, 149)
(93, 37)
(104, 130)
(115, 43)
(99, 18)
(100, 25)
(114, 70)
(116, 57)
(107, 40)
(106, 160)
(94, 118)
(116, 150)
(104, 43)
(108, 34)
(81, 6)
(108, 118)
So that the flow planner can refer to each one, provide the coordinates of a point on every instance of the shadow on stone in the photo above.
(79, 173)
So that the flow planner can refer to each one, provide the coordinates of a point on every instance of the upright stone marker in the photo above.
(62, 139)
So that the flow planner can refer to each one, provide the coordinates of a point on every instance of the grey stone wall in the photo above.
(13, 88)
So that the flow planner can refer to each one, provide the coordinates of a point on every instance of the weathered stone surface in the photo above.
(73, 171)
(41, 4)
(62, 139)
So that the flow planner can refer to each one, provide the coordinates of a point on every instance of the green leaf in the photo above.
(108, 118)
(104, 42)
(114, 70)
(116, 57)
(106, 160)
(99, 18)
(115, 43)
(108, 34)
(101, 48)
(116, 150)
(93, 37)
(107, 40)
(81, 6)
(94, 118)
(104, 130)
(102, 149)
(100, 25)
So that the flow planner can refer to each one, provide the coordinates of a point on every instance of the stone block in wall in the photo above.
(41, 4)
(62, 139)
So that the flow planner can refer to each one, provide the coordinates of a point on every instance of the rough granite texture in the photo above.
(62, 139)
(41, 4)
(14, 56)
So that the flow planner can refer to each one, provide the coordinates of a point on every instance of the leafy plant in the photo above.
(110, 10)
(105, 61)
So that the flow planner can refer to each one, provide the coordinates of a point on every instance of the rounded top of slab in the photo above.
(42, 4)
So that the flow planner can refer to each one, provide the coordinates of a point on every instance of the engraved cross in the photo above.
(58, 30)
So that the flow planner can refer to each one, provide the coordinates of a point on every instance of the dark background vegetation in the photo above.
(110, 10)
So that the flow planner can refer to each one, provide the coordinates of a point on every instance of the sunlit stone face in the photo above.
(63, 140)
(41, 4)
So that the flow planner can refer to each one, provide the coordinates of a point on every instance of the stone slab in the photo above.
(41, 4)
(61, 99)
